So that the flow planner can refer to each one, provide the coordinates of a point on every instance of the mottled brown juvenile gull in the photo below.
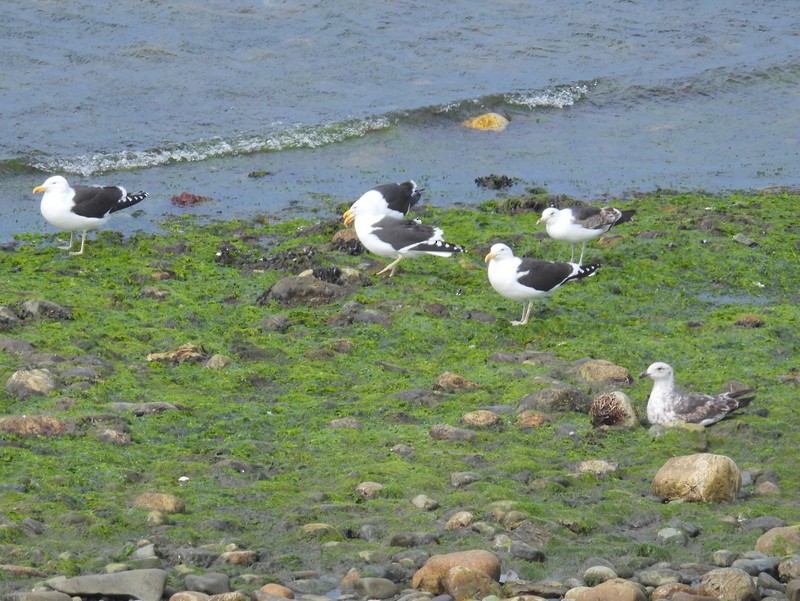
(668, 402)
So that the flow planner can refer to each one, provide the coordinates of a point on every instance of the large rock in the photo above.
(304, 290)
(602, 371)
(42, 309)
(561, 398)
(147, 585)
(780, 541)
(34, 425)
(731, 584)
(464, 583)
(432, 575)
(616, 589)
(614, 410)
(159, 502)
(27, 382)
(703, 477)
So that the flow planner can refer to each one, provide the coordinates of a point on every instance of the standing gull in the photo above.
(82, 208)
(581, 224)
(388, 236)
(669, 403)
(394, 200)
(526, 279)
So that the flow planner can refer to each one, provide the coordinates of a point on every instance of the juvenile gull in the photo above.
(82, 208)
(581, 224)
(394, 200)
(388, 236)
(669, 403)
(526, 279)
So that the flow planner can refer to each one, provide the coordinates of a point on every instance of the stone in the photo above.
(702, 477)
(159, 502)
(597, 467)
(210, 583)
(319, 530)
(666, 591)
(531, 419)
(597, 574)
(240, 557)
(431, 576)
(146, 585)
(28, 382)
(525, 551)
(724, 558)
(561, 398)
(459, 520)
(780, 541)
(376, 588)
(658, 577)
(189, 596)
(789, 568)
(602, 371)
(450, 381)
(461, 479)
(466, 583)
(34, 425)
(296, 290)
(42, 309)
(447, 432)
(730, 584)
(217, 362)
(671, 536)
(480, 419)
(277, 590)
(793, 590)
(37, 596)
(615, 589)
(8, 321)
(229, 596)
(424, 502)
(487, 122)
(369, 490)
(614, 410)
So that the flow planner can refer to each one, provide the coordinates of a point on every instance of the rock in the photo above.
(369, 490)
(8, 320)
(671, 536)
(425, 502)
(602, 371)
(159, 502)
(598, 467)
(661, 578)
(463, 584)
(702, 477)
(15, 346)
(724, 558)
(413, 539)
(240, 557)
(277, 590)
(189, 596)
(146, 585)
(525, 551)
(614, 410)
(431, 576)
(531, 419)
(275, 323)
(211, 583)
(561, 398)
(459, 520)
(481, 418)
(28, 382)
(730, 584)
(461, 479)
(319, 530)
(789, 569)
(487, 122)
(293, 291)
(230, 596)
(376, 588)
(42, 309)
(793, 590)
(780, 541)
(615, 589)
(186, 353)
(217, 362)
(450, 381)
(37, 596)
(350, 423)
(34, 425)
(446, 432)
(597, 574)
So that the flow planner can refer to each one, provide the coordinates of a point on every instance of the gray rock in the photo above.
(369, 533)
(657, 576)
(42, 309)
(724, 559)
(15, 346)
(562, 398)
(8, 320)
(211, 583)
(671, 536)
(147, 585)
(525, 551)
(37, 596)
(763, 523)
(461, 479)
(766, 581)
(295, 290)
(597, 574)
(376, 588)
(755, 566)
(28, 382)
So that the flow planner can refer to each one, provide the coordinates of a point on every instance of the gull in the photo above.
(82, 208)
(581, 224)
(522, 279)
(669, 403)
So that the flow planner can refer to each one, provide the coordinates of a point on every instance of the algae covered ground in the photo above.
(681, 283)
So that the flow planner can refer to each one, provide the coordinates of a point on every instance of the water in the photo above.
(331, 98)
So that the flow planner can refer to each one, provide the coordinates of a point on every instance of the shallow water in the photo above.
(332, 98)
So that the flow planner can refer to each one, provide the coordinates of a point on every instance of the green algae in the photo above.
(671, 288)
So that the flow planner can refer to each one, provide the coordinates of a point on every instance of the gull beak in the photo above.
(489, 257)
(541, 219)
(644, 374)
(38, 189)
(348, 217)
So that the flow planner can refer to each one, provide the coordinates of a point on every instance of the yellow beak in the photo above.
(489, 257)
(38, 189)
(349, 216)
(541, 219)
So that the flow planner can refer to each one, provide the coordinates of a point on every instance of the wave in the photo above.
(295, 136)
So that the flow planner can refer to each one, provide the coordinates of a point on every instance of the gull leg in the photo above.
(391, 267)
(526, 311)
(68, 246)
(583, 249)
(83, 241)
(572, 253)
